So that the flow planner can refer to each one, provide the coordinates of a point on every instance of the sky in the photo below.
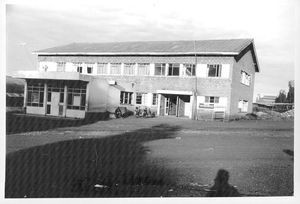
(271, 24)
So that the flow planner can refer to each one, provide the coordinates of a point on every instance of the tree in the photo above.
(290, 95)
(281, 98)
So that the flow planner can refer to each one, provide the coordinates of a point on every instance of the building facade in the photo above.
(195, 79)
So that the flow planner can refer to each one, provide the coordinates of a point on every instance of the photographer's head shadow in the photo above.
(221, 187)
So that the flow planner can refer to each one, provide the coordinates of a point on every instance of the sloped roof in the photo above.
(201, 47)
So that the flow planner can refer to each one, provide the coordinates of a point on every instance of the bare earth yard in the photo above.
(162, 156)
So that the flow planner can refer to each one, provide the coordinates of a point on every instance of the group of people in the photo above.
(139, 113)
(144, 113)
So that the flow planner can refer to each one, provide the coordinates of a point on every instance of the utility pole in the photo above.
(194, 102)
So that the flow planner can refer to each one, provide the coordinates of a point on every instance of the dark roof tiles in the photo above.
(199, 46)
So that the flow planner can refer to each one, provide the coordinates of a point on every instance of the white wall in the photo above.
(152, 68)
(201, 70)
(70, 67)
(225, 71)
(75, 113)
(51, 66)
(35, 110)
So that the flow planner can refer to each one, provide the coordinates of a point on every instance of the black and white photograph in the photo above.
(150, 99)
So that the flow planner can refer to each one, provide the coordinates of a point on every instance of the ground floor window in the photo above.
(61, 97)
(55, 88)
(76, 98)
(243, 106)
(154, 99)
(125, 97)
(212, 99)
(140, 98)
(35, 95)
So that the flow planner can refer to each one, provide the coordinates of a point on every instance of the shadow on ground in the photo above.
(17, 123)
(289, 152)
(118, 164)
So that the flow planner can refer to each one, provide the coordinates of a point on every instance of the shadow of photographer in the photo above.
(221, 187)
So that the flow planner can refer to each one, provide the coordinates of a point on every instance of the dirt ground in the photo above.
(162, 156)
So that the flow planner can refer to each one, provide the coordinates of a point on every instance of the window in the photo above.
(154, 99)
(140, 98)
(76, 100)
(160, 69)
(129, 69)
(49, 96)
(245, 78)
(143, 69)
(55, 88)
(78, 67)
(243, 106)
(211, 99)
(189, 69)
(125, 97)
(61, 66)
(76, 97)
(173, 70)
(89, 69)
(35, 95)
(48, 109)
(61, 97)
(102, 68)
(214, 70)
(115, 68)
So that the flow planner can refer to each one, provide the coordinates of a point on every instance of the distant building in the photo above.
(265, 99)
(191, 79)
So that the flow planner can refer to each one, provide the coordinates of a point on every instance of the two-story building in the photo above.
(197, 79)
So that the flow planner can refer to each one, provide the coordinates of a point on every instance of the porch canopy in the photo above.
(53, 75)
(174, 92)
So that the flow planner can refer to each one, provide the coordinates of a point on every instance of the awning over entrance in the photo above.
(53, 75)
(173, 92)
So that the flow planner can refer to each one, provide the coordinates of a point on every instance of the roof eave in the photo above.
(135, 53)
(249, 47)
(255, 57)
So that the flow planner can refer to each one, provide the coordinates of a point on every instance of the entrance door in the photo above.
(54, 103)
(167, 103)
(172, 105)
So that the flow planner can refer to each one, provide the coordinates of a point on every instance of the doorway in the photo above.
(174, 103)
(171, 105)
(54, 103)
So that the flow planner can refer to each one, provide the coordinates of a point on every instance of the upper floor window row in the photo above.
(156, 69)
